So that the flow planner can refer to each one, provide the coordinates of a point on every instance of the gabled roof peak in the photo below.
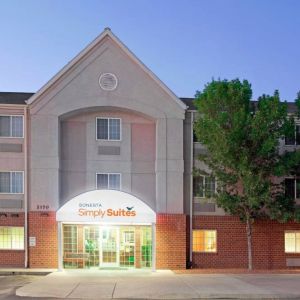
(107, 32)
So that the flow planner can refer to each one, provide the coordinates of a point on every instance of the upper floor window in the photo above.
(295, 139)
(11, 182)
(11, 126)
(11, 238)
(195, 137)
(292, 187)
(204, 186)
(108, 181)
(108, 129)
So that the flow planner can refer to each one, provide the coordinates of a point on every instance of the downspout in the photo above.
(191, 188)
(25, 188)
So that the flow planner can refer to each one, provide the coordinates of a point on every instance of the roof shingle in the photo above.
(14, 98)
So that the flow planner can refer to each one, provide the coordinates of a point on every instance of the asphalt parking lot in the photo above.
(9, 284)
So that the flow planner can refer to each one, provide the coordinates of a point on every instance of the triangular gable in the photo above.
(106, 33)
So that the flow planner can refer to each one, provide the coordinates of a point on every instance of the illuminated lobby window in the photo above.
(12, 238)
(292, 241)
(204, 240)
(97, 246)
(146, 247)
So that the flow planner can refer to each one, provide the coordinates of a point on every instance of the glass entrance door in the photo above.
(109, 254)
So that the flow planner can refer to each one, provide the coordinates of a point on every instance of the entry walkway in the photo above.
(140, 284)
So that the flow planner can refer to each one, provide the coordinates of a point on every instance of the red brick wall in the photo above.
(268, 243)
(44, 228)
(170, 241)
(12, 258)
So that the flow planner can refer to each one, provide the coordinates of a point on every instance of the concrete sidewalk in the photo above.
(138, 284)
(25, 271)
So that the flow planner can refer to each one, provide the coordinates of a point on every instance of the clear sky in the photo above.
(184, 42)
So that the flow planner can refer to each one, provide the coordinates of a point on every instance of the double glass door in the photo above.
(109, 247)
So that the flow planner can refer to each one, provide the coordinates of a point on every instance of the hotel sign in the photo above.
(106, 206)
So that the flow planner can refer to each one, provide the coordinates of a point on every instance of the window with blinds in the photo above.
(11, 126)
(11, 238)
(108, 129)
(11, 182)
(108, 181)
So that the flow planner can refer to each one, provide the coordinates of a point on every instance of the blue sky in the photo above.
(185, 43)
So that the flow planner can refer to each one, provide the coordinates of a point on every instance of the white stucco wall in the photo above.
(78, 89)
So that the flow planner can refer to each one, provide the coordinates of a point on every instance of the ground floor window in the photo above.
(292, 241)
(204, 240)
(95, 246)
(11, 238)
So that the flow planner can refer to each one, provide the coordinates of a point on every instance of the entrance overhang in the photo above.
(106, 207)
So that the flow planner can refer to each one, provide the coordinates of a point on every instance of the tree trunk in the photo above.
(249, 241)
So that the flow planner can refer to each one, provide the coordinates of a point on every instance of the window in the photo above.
(108, 129)
(128, 237)
(11, 238)
(108, 181)
(295, 139)
(292, 188)
(11, 126)
(195, 137)
(204, 186)
(292, 241)
(11, 182)
(204, 240)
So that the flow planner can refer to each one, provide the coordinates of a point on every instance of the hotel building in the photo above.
(96, 171)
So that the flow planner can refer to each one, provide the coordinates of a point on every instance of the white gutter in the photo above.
(25, 188)
(13, 106)
(191, 187)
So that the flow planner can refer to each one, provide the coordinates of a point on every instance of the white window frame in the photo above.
(103, 173)
(213, 252)
(297, 123)
(108, 139)
(295, 186)
(15, 249)
(204, 184)
(10, 178)
(291, 231)
(10, 125)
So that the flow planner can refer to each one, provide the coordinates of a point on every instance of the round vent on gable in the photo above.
(108, 81)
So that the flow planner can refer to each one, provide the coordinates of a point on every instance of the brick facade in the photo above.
(43, 226)
(12, 258)
(268, 243)
(170, 241)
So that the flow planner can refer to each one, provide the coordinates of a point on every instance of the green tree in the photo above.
(243, 142)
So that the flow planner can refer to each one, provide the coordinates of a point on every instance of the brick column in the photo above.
(170, 241)
(43, 226)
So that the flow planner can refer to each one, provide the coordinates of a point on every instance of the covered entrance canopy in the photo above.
(106, 206)
(106, 228)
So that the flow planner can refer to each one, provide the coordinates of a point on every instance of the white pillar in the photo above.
(153, 247)
(60, 241)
